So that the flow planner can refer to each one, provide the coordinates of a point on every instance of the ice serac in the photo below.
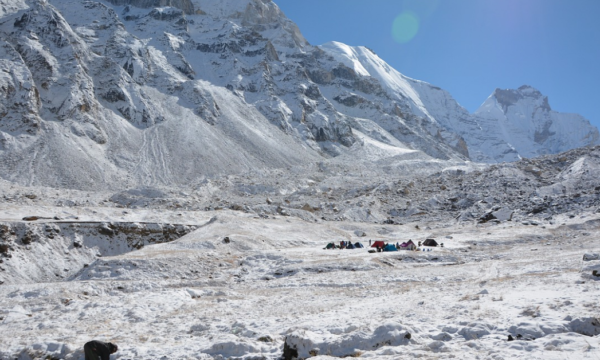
(524, 119)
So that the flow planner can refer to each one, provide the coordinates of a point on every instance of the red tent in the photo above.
(378, 244)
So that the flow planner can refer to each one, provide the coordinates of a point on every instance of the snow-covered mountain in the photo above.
(87, 104)
(123, 93)
(509, 125)
(523, 119)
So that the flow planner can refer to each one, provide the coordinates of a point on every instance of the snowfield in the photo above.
(271, 283)
(234, 267)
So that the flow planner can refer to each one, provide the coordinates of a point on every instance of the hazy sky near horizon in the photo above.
(471, 47)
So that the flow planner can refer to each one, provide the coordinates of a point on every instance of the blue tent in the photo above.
(350, 246)
(358, 245)
(390, 247)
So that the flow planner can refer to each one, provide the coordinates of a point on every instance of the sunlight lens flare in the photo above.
(423, 8)
(405, 27)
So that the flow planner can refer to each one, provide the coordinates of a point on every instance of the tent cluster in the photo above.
(344, 245)
(382, 246)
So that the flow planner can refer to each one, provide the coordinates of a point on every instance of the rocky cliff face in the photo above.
(87, 104)
(165, 92)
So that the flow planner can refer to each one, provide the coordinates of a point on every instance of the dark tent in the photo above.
(330, 246)
(350, 246)
(430, 242)
(378, 244)
(358, 245)
(390, 247)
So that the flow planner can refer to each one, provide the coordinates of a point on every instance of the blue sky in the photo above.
(471, 47)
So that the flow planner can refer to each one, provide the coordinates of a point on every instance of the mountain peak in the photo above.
(530, 91)
(528, 88)
(523, 118)
(258, 15)
(510, 97)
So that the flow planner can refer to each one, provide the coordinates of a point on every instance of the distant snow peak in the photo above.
(523, 118)
(509, 97)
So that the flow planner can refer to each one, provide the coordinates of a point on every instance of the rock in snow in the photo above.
(586, 326)
(590, 257)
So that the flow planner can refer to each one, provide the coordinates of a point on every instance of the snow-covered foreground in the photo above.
(203, 297)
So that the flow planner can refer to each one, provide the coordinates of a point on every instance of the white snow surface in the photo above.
(234, 267)
(202, 298)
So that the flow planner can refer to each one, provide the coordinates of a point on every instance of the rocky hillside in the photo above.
(128, 93)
